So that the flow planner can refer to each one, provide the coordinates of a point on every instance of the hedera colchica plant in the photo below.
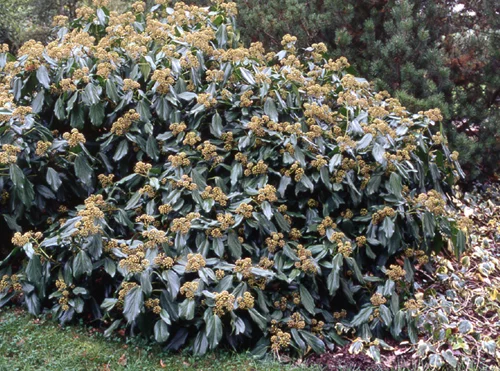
(155, 172)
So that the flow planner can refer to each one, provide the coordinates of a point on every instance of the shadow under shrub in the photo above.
(159, 174)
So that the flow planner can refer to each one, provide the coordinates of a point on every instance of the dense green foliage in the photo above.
(160, 175)
(427, 54)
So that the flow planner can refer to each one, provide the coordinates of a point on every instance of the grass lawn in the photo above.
(30, 344)
(27, 343)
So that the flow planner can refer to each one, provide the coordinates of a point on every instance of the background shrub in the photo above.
(158, 173)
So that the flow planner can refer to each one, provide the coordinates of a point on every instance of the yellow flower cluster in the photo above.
(209, 152)
(296, 321)
(191, 139)
(420, 255)
(9, 153)
(256, 169)
(142, 168)
(306, 264)
(245, 99)
(247, 301)
(340, 315)
(326, 223)
(266, 263)
(153, 305)
(189, 289)
(378, 299)
(295, 170)
(276, 240)
(163, 262)
(256, 125)
(185, 182)
(129, 84)
(106, 180)
(295, 234)
(224, 303)
(216, 194)
(243, 266)
(164, 80)
(22, 239)
(179, 160)
(155, 237)
(126, 287)
(148, 190)
(122, 125)
(280, 340)
(225, 220)
(245, 210)
(74, 138)
(177, 128)
(395, 272)
(88, 225)
(433, 114)
(268, 193)
(182, 225)
(164, 209)
(195, 262)
(361, 241)
(344, 248)
(347, 214)
(432, 201)
(63, 289)
(319, 162)
(135, 262)
(207, 100)
(146, 219)
(378, 216)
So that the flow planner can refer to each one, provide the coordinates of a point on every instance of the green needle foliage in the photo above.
(159, 175)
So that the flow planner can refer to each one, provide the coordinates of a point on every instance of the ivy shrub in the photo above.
(155, 173)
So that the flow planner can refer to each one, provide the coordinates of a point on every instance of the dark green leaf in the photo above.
(133, 303)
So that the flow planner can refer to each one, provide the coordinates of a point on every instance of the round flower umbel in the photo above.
(195, 262)
(224, 303)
